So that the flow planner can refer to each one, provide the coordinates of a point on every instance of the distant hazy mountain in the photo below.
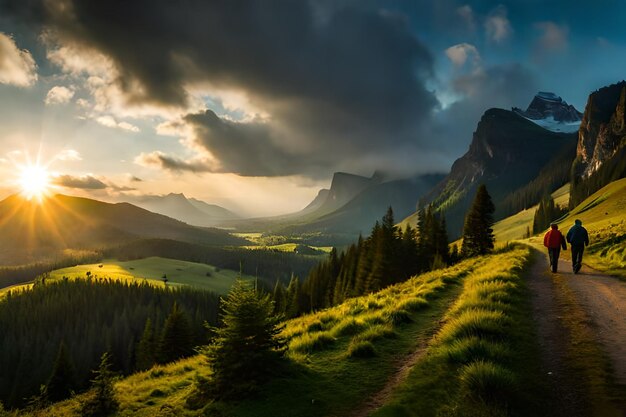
(507, 152)
(30, 231)
(359, 213)
(177, 206)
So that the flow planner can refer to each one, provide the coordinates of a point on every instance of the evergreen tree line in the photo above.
(55, 334)
(267, 265)
(554, 175)
(547, 212)
(11, 275)
(611, 170)
(389, 255)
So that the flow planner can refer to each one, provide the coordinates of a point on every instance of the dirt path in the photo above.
(553, 341)
(404, 366)
(603, 301)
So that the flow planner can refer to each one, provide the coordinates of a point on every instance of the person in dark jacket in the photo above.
(554, 241)
(578, 238)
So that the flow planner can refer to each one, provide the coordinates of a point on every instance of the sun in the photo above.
(34, 181)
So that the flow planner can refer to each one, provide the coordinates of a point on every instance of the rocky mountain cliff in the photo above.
(507, 152)
(551, 112)
(603, 128)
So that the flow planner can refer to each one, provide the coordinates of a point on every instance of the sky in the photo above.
(253, 105)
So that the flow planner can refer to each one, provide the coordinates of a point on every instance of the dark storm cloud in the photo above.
(335, 81)
(502, 86)
(86, 182)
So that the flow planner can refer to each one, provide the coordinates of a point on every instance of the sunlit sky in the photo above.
(253, 105)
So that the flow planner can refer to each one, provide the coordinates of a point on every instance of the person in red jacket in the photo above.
(554, 241)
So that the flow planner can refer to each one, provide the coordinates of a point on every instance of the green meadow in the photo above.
(152, 270)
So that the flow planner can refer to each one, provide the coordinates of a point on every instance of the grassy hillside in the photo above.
(515, 226)
(31, 231)
(484, 361)
(152, 269)
(343, 355)
(178, 272)
(604, 216)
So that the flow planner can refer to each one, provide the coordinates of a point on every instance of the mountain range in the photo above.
(33, 231)
(512, 152)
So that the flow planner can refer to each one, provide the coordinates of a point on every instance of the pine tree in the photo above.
(478, 236)
(146, 348)
(247, 348)
(177, 339)
(293, 308)
(280, 298)
(101, 400)
(63, 377)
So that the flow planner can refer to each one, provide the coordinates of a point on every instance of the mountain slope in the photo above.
(32, 231)
(177, 206)
(359, 214)
(507, 152)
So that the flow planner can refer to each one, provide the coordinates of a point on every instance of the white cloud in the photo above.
(467, 14)
(17, 67)
(459, 54)
(59, 95)
(109, 121)
(497, 26)
(553, 36)
(69, 155)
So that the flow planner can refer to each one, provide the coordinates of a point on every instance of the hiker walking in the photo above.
(554, 241)
(578, 238)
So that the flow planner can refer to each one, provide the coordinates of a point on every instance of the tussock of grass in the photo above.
(413, 304)
(488, 382)
(361, 349)
(466, 350)
(399, 316)
(311, 342)
(478, 323)
(375, 332)
(348, 327)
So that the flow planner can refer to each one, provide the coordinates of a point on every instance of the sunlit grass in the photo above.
(474, 366)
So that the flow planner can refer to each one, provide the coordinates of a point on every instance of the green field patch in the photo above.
(154, 270)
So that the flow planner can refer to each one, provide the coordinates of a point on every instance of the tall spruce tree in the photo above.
(146, 348)
(177, 338)
(247, 348)
(478, 238)
(101, 401)
(63, 378)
